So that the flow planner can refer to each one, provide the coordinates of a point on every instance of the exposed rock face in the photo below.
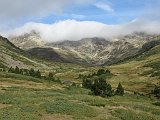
(28, 41)
(92, 51)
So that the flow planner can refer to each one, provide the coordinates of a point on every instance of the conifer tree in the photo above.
(120, 90)
(101, 87)
(21, 71)
(11, 70)
(17, 71)
(32, 72)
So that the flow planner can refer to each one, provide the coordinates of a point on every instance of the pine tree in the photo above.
(108, 91)
(120, 90)
(32, 72)
(26, 72)
(100, 72)
(17, 71)
(101, 87)
(11, 70)
(21, 71)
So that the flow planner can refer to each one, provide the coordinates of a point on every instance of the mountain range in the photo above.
(87, 51)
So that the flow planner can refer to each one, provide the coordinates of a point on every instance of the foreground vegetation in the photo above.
(41, 101)
(29, 98)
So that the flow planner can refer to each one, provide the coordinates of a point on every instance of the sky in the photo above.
(58, 19)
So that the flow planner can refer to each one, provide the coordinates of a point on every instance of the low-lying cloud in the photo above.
(76, 30)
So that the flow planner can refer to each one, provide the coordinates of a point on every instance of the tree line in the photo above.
(33, 73)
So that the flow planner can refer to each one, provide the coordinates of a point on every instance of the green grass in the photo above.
(132, 115)
(24, 103)
(155, 71)
(154, 65)
(77, 110)
(5, 75)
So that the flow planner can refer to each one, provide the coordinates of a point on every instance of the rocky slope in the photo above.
(12, 56)
(91, 51)
(27, 41)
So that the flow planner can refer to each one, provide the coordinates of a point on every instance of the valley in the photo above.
(26, 97)
(79, 60)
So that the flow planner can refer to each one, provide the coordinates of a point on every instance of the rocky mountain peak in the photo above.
(28, 40)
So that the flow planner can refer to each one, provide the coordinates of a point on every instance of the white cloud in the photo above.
(104, 6)
(13, 12)
(76, 30)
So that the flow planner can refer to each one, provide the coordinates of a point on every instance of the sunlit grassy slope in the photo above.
(135, 74)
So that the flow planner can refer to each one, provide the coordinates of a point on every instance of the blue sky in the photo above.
(49, 11)
(60, 19)
(122, 11)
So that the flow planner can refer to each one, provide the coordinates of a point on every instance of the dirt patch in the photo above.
(55, 117)
(4, 106)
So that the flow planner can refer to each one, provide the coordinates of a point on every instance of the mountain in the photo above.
(28, 40)
(12, 56)
(88, 51)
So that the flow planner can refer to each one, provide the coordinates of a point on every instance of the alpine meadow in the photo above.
(79, 60)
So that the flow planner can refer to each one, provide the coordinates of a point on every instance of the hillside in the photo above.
(9, 53)
(12, 56)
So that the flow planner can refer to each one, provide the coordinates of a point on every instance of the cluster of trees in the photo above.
(27, 72)
(33, 73)
(98, 85)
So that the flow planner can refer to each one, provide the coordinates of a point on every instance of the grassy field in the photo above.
(27, 98)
